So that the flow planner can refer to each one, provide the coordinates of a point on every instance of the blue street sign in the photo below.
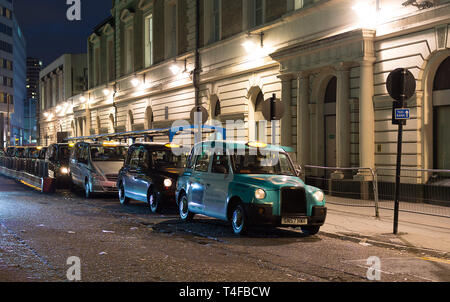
(402, 114)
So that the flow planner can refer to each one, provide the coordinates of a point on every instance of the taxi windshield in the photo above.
(262, 163)
(64, 154)
(100, 153)
(167, 159)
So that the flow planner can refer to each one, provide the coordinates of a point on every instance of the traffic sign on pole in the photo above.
(401, 86)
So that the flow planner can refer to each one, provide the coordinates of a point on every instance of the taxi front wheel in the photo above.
(185, 215)
(239, 220)
(310, 230)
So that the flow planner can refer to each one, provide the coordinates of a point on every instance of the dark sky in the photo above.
(47, 31)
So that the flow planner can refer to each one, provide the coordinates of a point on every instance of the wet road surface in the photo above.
(126, 243)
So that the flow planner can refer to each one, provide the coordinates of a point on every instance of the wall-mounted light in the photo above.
(250, 45)
(82, 99)
(46, 114)
(135, 82)
(106, 92)
(176, 69)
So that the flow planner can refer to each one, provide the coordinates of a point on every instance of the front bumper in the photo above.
(105, 187)
(263, 215)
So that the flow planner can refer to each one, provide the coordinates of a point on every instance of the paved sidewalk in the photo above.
(416, 231)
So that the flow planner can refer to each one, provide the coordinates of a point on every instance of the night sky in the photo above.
(47, 31)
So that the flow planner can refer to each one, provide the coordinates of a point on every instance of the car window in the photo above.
(113, 153)
(134, 159)
(83, 156)
(220, 164)
(202, 161)
(144, 159)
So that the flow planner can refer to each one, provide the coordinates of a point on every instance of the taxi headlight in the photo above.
(260, 194)
(168, 183)
(64, 170)
(318, 195)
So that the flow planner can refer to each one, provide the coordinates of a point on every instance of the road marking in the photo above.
(433, 259)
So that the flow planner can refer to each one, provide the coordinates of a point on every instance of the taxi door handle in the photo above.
(208, 185)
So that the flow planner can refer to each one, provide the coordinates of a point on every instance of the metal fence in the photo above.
(36, 167)
(356, 187)
(421, 191)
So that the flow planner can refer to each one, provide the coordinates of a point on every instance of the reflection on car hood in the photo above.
(108, 167)
(269, 182)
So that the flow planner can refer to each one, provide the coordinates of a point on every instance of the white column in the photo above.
(303, 122)
(366, 116)
(286, 120)
(343, 116)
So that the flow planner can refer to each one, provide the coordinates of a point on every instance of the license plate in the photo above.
(294, 221)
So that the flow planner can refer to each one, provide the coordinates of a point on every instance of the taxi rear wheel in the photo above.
(153, 202)
(185, 215)
(310, 230)
(239, 220)
(122, 197)
(87, 190)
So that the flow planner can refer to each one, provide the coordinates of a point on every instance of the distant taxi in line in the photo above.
(248, 184)
(150, 174)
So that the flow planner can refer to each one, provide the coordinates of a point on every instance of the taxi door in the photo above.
(217, 185)
(197, 182)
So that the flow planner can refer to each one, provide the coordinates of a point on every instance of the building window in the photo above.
(258, 10)
(149, 41)
(128, 50)
(171, 29)
(97, 65)
(111, 60)
(215, 20)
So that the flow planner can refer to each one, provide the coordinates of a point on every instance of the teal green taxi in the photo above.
(249, 184)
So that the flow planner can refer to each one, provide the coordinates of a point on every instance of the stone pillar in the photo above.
(303, 122)
(366, 116)
(342, 118)
(286, 120)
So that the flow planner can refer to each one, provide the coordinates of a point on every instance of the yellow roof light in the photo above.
(39, 148)
(171, 145)
(71, 145)
(110, 143)
(257, 145)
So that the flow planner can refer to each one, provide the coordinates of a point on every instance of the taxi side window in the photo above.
(220, 164)
(202, 162)
(134, 159)
(145, 160)
(83, 155)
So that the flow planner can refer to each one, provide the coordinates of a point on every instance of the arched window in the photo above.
(217, 109)
(441, 113)
(330, 92)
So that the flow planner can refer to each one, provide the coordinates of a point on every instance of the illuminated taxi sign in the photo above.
(172, 146)
(39, 148)
(71, 145)
(257, 145)
(110, 144)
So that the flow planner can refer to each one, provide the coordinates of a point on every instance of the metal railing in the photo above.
(35, 167)
(422, 191)
(357, 187)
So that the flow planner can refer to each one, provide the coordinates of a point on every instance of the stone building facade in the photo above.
(327, 60)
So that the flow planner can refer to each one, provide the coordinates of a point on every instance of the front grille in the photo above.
(293, 201)
(112, 177)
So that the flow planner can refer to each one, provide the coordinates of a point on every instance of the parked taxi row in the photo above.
(243, 183)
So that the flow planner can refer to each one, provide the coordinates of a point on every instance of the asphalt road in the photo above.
(126, 243)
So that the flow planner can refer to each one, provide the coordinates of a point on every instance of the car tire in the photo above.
(310, 230)
(87, 190)
(185, 215)
(153, 202)
(124, 200)
(239, 221)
